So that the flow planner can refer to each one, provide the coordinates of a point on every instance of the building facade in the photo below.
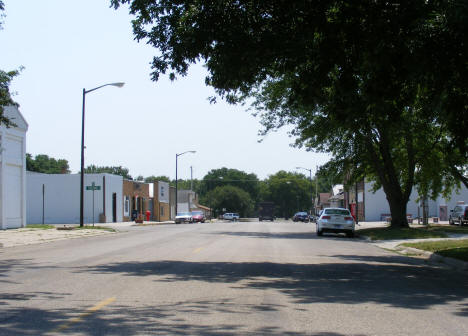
(136, 199)
(55, 198)
(161, 201)
(373, 206)
(13, 170)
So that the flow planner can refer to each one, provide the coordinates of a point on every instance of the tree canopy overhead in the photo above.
(381, 85)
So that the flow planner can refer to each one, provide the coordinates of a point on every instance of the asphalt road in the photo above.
(226, 279)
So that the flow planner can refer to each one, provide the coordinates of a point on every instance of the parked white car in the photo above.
(184, 217)
(233, 216)
(336, 220)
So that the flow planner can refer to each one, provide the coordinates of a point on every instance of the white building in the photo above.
(13, 170)
(55, 198)
(376, 205)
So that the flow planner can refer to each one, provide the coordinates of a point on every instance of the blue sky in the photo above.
(66, 46)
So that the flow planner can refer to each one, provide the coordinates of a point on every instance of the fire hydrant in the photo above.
(148, 215)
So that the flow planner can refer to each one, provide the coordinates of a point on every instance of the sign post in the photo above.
(93, 187)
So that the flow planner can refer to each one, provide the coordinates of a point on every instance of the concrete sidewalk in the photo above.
(29, 236)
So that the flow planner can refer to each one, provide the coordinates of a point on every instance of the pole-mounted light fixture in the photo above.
(118, 84)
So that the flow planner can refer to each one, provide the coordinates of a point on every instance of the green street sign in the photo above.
(93, 187)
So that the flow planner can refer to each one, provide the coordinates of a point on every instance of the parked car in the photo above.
(459, 215)
(198, 216)
(231, 216)
(301, 216)
(335, 220)
(184, 217)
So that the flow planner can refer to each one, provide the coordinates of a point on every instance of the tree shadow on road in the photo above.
(282, 235)
(391, 281)
(160, 319)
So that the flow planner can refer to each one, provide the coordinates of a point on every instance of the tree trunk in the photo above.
(383, 164)
(398, 211)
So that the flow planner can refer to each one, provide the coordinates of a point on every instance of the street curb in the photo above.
(458, 264)
(431, 256)
(153, 223)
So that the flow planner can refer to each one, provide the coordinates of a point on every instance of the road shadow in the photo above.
(282, 235)
(157, 319)
(18, 265)
(388, 280)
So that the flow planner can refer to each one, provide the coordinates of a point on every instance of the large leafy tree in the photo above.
(233, 177)
(231, 198)
(291, 192)
(44, 164)
(381, 85)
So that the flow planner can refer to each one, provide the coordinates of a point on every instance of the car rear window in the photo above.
(337, 212)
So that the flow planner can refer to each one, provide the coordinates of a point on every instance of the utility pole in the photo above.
(316, 189)
(191, 178)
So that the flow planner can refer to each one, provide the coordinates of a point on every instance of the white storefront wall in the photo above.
(13, 171)
(56, 198)
(376, 204)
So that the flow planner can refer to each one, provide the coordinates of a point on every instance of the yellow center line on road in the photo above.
(198, 249)
(86, 313)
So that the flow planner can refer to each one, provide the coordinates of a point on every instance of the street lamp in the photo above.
(120, 84)
(311, 189)
(176, 157)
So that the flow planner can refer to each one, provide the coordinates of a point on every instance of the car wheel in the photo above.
(319, 232)
(451, 222)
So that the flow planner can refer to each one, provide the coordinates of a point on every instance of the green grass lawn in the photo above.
(388, 233)
(448, 229)
(432, 231)
(39, 226)
(457, 249)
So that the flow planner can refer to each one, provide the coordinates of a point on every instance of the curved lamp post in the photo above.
(177, 156)
(311, 190)
(120, 84)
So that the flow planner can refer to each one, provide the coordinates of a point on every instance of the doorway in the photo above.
(114, 207)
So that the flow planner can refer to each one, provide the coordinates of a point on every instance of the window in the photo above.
(337, 212)
(162, 211)
(126, 206)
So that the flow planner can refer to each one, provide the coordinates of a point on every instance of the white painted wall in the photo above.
(62, 198)
(163, 192)
(457, 195)
(377, 204)
(13, 171)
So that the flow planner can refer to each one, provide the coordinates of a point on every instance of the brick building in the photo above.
(136, 197)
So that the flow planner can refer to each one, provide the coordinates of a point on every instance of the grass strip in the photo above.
(447, 229)
(388, 233)
(457, 249)
(40, 226)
